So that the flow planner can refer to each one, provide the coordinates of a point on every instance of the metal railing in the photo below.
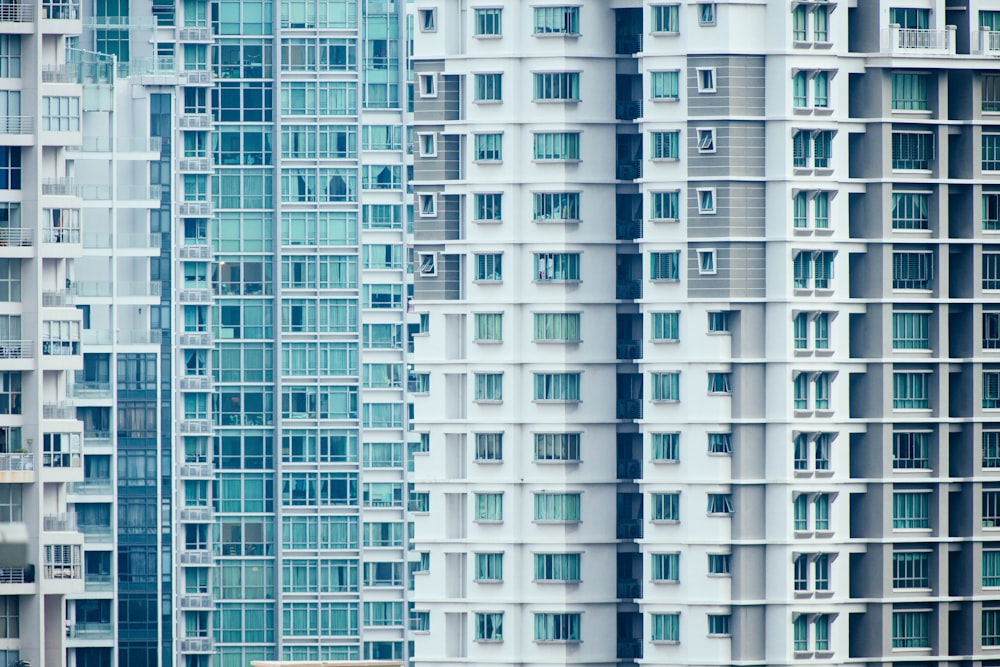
(195, 383)
(989, 42)
(194, 121)
(200, 645)
(202, 601)
(90, 389)
(194, 557)
(17, 124)
(58, 186)
(195, 426)
(17, 462)
(58, 411)
(56, 298)
(194, 514)
(90, 631)
(17, 236)
(194, 209)
(17, 12)
(194, 34)
(195, 339)
(59, 522)
(17, 349)
(96, 533)
(195, 470)
(17, 575)
(203, 251)
(91, 487)
(898, 39)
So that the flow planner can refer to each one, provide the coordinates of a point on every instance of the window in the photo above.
(10, 56)
(561, 146)
(665, 507)
(909, 92)
(551, 266)
(487, 207)
(665, 386)
(706, 13)
(489, 507)
(488, 386)
(799, 17)
(488, 147)
(561, 206)
(718, 321)
(557, 627)
(911, 569)
(664, 205)
(665, 627)
(911, 629)
(821, 512)
(991, 449)
(991, 152)
(991, 93)
(557, 507)
(427, 19)
(915, 150)
(665, 447)
(720, 503)
(557, 327)
(61, 114)
(800, 90)
(666, 18)
(706, 79)
(665, 326)
(427, 205)
(912, 270)
(821, 572)
(10, 611)
(10, 168)
(557, 567)
(706, 140)
(487, 87)
(991, 627)
(489, 447)
(557, 447)
(821, 386)
(706, 262)
(991, 509)
(821, 24)
(720, 564)
(911, 390)
(489, 267)
(427, 144)
(800, 331)
(488, 22)
(800, 512)
(427, 85)
(991, 211)
(991, 568)
(665, 86)
(911, 450)
(720, 443)
(562, 387)
(720, 383)
(489, 567)
(718, 625)
(706, 201)
(821, 210)
(665, 145)
(911, 210)
(821, 90)
(665, 567)
(557, 21)
(487, 327)
(910, 510)
(557, 86)
(664, 265)
(489, 627)
(991, 271)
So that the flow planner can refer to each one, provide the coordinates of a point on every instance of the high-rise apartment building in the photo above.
(705, 295)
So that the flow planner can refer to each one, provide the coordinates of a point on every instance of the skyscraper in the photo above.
(727, 333)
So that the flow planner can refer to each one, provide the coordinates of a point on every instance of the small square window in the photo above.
(427, 264)
(428, 145)
(706, 139)
(428, 85)
(706, 201)
(428, 205)
(706, 79)
(428, 20)
(718, 321)
(706, 13)
(706, 262)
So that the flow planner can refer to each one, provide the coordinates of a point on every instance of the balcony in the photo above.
(194, 164)
(96, 533)
(91, 390)
(98, 583)
(62, 235)
(97, 336)
(629, 349)
(194, 34)
(194, 515)
(628, 230)
(629, 589)
(17, 125)
(195, 471)
(195, 383)
(989, 42)
(17, 462)
(198, 645)
(194, 252)
(139, 241)
(628, 46)
(899, 41)
(629, 409)
(628, 109)
(194, 209)
(628, 289)
(194, 295)
(140, 337)
(196, 601)
(61, 298)
(124, 288)
(198, 557)
(629, 649)
(197, 78)
(629, 529)
(195, 427)
(61, 73)
(195, 339)
(630, 469)
(195, 121)
(59, 522)
(58, 187)
(93, 486)
(97, 438)
(628, 170)
(61, 410)
(90, 631)
(17, 12)
(17, 349)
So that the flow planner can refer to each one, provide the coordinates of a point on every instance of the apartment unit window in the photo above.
(912, 270)
(718, 321)
(488, 87)
(911, 569)
(488, 22)
(562, 387)
(991, 93)
(800, 90)
(489, 567)
(718, 625)
(821, 572)
(911, 450)
(911, 210)
(706, 139)
(665, 145)
(665, 568)
(800, 331)
(800, 632)
(557, 21)
(10, 167)
(800, 17)
(821, 512)
(61, 114)
(991, 390)
(706, 262)
(915, 150)
(800, 512)
(911, 390)
(664, 205)
(991, 509)
(991, 330)
(557, 86)
(720, 564)
(911, 629)
(991, 568)
(428, 144)
(427, 20)
(665, 326)
(665, 627)
(489, 507)
(815, 267)
(488, 147)
(991, 271)
(10, 56)
(812, 149)
(665, 86)
(488, 386)
(487, 327)
(489, 267)
(720, 503)
(10, 612)
(666, 18)
(821, 210)
(991, 211)
(706, 79)
(991, 152)
(557, 327)
(821, 90)
(487, 207)
(909, 92)
(665, 447)
(427, 205)
(557, 507)
(991, 627)
(562, 146)
(557, 567)
(559, 447)
(665, 386)
(911, 510)
(420, 621)
(427, 85)
(720, 383)
(561, 206)
(557, 627)
(552, 266)
(800, 451)
(706, 201)
(489, 447)
(10, 392)
(664, 265)
(419, 502)
(720, 443)
(821, 24)
(665, 506)
(489, 627)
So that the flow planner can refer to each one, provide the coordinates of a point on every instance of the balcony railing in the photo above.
(628, 230)
(61, 73)
(195, 515)
(195, 383)
(628, 109)
(58, 187)
(97, 583)
(97, 336)
(918, 41)
(195, 339)
(629, 409)
(59, 522)
(196, 601)
(203, 251)
(194, 209)
(17, 124)
(194, 557)
(629, 650)
(629, 588)
(629, 349)
(90, 631)
(96, 532)
(124, 145)
(195, 121)
(16, 236)
(628, 170)
(17, 12)
(140, 337)
(195, 427)
(199, 645)
(95, 486)
(627, 46)
(119, 193)
(195, 471)
(58, 298)
(17, 349)
(630, 469)
(989, 42)
(17, 575)
(629, 529)
(194, 34)
(17, 462)
(90, 389)
(62, 410)
(628, 289)
(97, 438)
(61, 235)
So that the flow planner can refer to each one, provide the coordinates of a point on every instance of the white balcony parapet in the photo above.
(17, 124)
(918, 41)
(989, 42)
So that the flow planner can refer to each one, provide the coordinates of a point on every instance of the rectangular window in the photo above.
(799, 17)
(489, 567)
(665, 145)
(10, 56)
(720, 383)
(561, 387)
(557, 627)
(911, 450)
(664, 205)
(706, 201)
(487, 207)
(557, 507)
(821, 90)
(557, 327)
(557, 21)
(720, 503)
(991, 152)
(487, 327)
(665, 447)
(665, 627)
(488, 386)
(706, 139)
(911, 210)
(821, 512)
(911, 391)
(665, 386)
(489, 627)
(991, 211)
(912, 270)
(821, 210)
(665, 567)
(718, 625)
(991, 509)
(910, 510)
(909, 92)
(991, 271)
(911, 569)
(489, 507)
(821, 24)
(991, 627)
(991, 568)
(488, 87)
(557, 567)
(720, 443)
(561, 146)
(551, 266)
(665, 326)
(488, 22)
(665, 265)
(559, 206)
(665, 506)
(489, 447)
(665, 85)
(10, 168)
(61, 114)
(991, 449)
(557, 86)
(488, 147)
(911, 629)
(720, 564)
(991, 390)
(557, 447)
(666, 18)
(991, 93)
(915, 150)
(488, 267)
(800, 90)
